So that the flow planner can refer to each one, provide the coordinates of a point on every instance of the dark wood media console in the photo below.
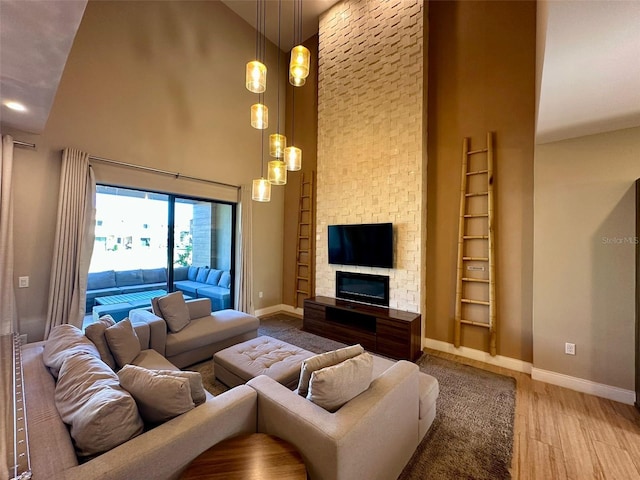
(389, 332)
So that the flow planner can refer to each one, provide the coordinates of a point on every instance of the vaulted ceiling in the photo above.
(588, 59)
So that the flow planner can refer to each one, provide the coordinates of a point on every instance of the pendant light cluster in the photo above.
(284, 157)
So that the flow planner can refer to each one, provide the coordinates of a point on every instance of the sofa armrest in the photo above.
(199, 307)
(165, 451)
(157, 328)
(373, 436)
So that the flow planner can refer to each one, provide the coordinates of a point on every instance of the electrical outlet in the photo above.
(570, 348)
(259, 294)
(23, 282)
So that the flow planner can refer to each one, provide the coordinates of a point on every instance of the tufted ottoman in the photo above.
(264, 355)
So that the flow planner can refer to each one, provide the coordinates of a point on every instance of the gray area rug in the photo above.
(472, 434)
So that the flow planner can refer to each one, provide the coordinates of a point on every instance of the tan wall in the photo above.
(159, 84)
(481, 79)
(370, 135)
(305, 136)
(584, 261)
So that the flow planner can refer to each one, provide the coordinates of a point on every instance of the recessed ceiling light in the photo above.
(18, 107)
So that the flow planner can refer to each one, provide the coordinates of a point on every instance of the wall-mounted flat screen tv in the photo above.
(367, 245)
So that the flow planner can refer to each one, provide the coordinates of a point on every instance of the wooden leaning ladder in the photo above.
(304, 248)
(475, 287)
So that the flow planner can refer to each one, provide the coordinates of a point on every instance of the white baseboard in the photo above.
(472, 353)
(279, 308)
(585, 386)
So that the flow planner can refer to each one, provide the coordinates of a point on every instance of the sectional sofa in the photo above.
(195, 282)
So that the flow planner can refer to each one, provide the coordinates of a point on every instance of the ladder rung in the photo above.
(475, 237)
(475, 259)
(303, 237)
(476, 215)
(305, 196)
(477, 324)
(302, 278)
(478, 280)
(475, 302)
(302, 291)
(478, 172)
(301, 264)
(477, 194)
(483, 150)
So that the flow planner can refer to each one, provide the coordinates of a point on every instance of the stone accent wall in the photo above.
(370, 135)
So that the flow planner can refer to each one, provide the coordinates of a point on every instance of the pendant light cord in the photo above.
(278, 72)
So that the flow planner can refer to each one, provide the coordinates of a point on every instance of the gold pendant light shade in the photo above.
(296, 82)
(277, 144)
(293, 158)
(277, 172)
(261, 190)
(256, 77)
(299, 64)
(259, 116)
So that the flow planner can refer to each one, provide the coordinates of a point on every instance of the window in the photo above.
(138, 230)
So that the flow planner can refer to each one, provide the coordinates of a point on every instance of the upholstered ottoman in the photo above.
(260, 356)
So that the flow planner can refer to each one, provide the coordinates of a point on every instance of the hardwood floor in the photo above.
(563, 434)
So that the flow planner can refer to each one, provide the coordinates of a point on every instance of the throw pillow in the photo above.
(123, 342)
(323, 360)
(159, 397)
(65, 341)
(100, 413)
(332, 387)
(174, 311)
(202, 275)
(198, 394)
(225, 280)
(192, 273)
(214, 276)
(95, 333)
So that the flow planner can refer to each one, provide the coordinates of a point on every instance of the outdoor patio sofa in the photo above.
(195, 282)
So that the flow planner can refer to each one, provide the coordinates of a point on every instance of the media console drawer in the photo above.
(390, 332)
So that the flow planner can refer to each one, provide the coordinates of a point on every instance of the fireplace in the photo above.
(364, 288)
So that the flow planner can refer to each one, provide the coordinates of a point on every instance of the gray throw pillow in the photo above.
(100, 413)
(332, 387)
(198, 394)
(159, 397)
(174, 311)
(123, 342)
(323, 360)
(95, 333)
(65, 341)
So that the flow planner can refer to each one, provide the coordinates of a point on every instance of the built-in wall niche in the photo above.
(363, 288)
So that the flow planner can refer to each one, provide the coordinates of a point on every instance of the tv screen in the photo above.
(368, 245)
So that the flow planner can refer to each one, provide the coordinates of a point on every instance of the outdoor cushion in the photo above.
(192, 274)
(225, 280)
(180, 273)
(188, 286)
(98, 280)
(154, 275)
(129, 277)
(214, 276)
(203, 273)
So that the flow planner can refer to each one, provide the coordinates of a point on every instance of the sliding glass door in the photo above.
(150, 241)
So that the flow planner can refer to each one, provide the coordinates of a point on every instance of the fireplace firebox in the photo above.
(363, 288)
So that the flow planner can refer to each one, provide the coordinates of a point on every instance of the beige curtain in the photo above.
(73, 246)
(244, 292)
(8, 315)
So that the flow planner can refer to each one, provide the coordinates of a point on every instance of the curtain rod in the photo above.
(162, 172)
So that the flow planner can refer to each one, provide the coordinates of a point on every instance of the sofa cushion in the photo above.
(188, 286)
(174, 311)
(202, 275)
(225, 280)
(123, 342)
(95, 333)
(180, 273)
(214, 276)
(65, 341)
(211, 329)
(129, 277)
(159, 397)
(323, 360)
(332, 387)
(154, 275)
(192, 273)
(100, 413)
(198, 394)
(101, 280)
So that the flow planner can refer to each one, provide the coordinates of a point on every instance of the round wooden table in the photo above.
(256, 456)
